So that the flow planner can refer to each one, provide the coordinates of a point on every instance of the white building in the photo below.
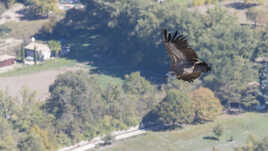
(43, 51)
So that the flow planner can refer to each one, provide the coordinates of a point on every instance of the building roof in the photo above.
(39, 47)
(6, 57)
(261, 59)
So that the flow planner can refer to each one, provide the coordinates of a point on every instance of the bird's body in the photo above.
(185, 64)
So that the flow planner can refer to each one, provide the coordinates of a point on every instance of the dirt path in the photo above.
(39, 81)
(118, 135)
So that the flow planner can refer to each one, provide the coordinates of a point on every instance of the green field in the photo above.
(191, 138)
(46, 65)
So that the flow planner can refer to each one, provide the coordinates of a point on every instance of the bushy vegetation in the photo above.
(38, 7)
(186, 105)
(264, 82)
(82, 109)
(79, 108)
(129, 32)
(24, 126)
(4, 30)
(207, 106)
(218, 39)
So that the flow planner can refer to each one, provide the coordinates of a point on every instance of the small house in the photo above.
(42, 51)
(6, 60)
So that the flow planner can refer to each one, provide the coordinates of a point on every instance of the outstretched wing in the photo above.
(178, 49)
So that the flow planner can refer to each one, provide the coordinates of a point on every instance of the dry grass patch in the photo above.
(25, 29)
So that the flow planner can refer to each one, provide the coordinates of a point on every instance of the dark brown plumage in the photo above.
(185, 64)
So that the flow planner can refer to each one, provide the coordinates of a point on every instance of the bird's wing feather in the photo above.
(178, 49)
(190, 76)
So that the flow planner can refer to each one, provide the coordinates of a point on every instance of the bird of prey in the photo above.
(185, 65)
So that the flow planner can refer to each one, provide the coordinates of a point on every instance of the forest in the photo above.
(126, 33)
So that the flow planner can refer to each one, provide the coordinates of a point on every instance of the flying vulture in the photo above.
(185, 64)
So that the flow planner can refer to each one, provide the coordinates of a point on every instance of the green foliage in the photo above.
(206, 105)
(264, 81)
(82, 109)
(175, 109)
(7, 136)
(7, 106)
(32, 142)
(218, 39)
(42, 7)
(249, 98)
(4, 30)
(108, 139)
(20, 124)
(35, 55)
(218, 131)
(22, 52)
(136, 84)
(55, 46)
(47, 140)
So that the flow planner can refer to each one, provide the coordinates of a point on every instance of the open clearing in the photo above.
(39, 77)
(38, 81)
(193, 138)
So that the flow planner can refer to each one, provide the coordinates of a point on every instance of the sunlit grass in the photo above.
(191, 138)
(25, 29)
(46, 65)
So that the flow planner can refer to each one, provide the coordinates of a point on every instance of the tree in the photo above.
(47, 140)
(43, 7)
(35, 55)
(218, 130)
(108, 139)
(22, 52)
(55, 46)
(176, 109)
(206, 105)
(249, 98)
(264, 82)
(136, 84)
(31, 142)
(7, 106)
(7, 138)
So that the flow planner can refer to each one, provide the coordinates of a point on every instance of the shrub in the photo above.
(207, 105)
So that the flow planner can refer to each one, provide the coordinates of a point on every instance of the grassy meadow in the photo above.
(196, 137)
(46, 65)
